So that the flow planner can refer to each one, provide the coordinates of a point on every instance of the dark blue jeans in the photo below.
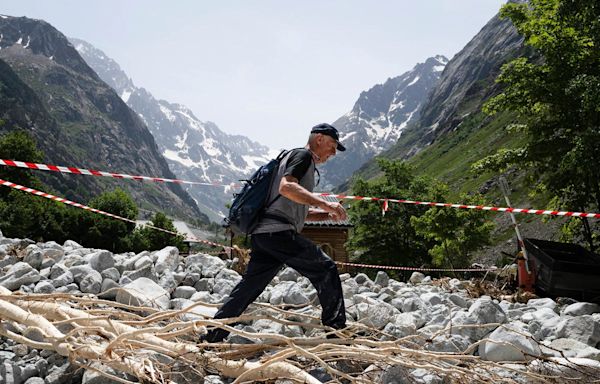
(270, 251)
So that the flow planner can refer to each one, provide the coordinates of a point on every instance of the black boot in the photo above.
(215, 335)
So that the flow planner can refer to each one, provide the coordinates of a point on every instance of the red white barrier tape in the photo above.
(418, 269)
(92, 172)
(194, 239)
(386, 201)
(463, 206)
(74, 204)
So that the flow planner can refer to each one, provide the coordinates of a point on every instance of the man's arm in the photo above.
(291, 189)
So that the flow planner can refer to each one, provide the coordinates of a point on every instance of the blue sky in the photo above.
(265, 69)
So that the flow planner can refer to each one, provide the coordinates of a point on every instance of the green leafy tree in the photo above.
(156, 239)
(557, 98)
(456, 232)
(99, 231)
(389, 239)
(19, 145)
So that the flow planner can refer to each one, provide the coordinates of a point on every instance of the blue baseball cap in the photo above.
(331, 131)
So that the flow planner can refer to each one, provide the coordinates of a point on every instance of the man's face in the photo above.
(326, 147)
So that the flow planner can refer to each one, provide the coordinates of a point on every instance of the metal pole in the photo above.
(505, 190)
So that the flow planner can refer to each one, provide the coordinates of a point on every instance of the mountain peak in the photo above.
(380, 115)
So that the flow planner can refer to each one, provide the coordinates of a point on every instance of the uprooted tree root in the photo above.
(162, 346)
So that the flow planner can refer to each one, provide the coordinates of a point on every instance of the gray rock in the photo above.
(213, 379)
(64, 279)
(574, 348)
(11, 373)
(101, 260)
(111, 273)
(44, 286)
(288, 274)
(91, 282)
(184, 292)
(361, 279)
(35, 380)
(94, 377)
(401, 326)
(47, 263)
(288, 292)
(542, 303)
(80, 271)
(382, 279)
(69, 288)
(19, 274)
(167, 259)
(543, 314)
(376, 314)
(431, 298)
(416, 278)
(34, 334)
(472, 324)
(34, 258)
(448, 343)
(579, 309)
(147, 272)
(53, 253)
(28, 371)
(144, 292)
(72, 244)
(167, 281)
(109, 289)
(191, 278)
(583, 328)
(142, 262)
(204, 284)
(458, 300)
(209, 265)
(510, 342)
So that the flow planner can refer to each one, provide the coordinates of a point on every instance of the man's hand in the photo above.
(336, 210)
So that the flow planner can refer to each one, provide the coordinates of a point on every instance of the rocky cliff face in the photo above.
(78, 120)
(195, 150)
(379, 116)
(465, 84)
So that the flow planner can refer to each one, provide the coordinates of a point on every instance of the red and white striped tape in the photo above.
(92, 172)
(463, 206)
(78, 205)
(83, 171)
(417, 268)
(195, 239)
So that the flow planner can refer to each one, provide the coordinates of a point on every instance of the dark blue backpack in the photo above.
(249, 205)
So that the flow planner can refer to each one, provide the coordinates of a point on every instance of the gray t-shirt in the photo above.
(298, 163)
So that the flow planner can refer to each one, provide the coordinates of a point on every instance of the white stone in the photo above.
(416, 278)
(545, 302)
(72, 244)
(376, 315)
(543, 314)
(574, 348)
(167, 259)
(382, 279)
(288, 292)
(184, 292)
(579, 309)
(101, 260)
(209, 265)
(583, 328)
(289, 274)
(509, 342)
(144, 292)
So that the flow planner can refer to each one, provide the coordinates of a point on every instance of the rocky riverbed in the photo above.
(542, 336)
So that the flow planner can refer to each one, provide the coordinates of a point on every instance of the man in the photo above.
(277, 241)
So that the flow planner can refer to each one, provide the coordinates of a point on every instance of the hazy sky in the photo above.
(268, 69)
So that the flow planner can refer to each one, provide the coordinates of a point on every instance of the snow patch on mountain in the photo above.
(195, 150)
